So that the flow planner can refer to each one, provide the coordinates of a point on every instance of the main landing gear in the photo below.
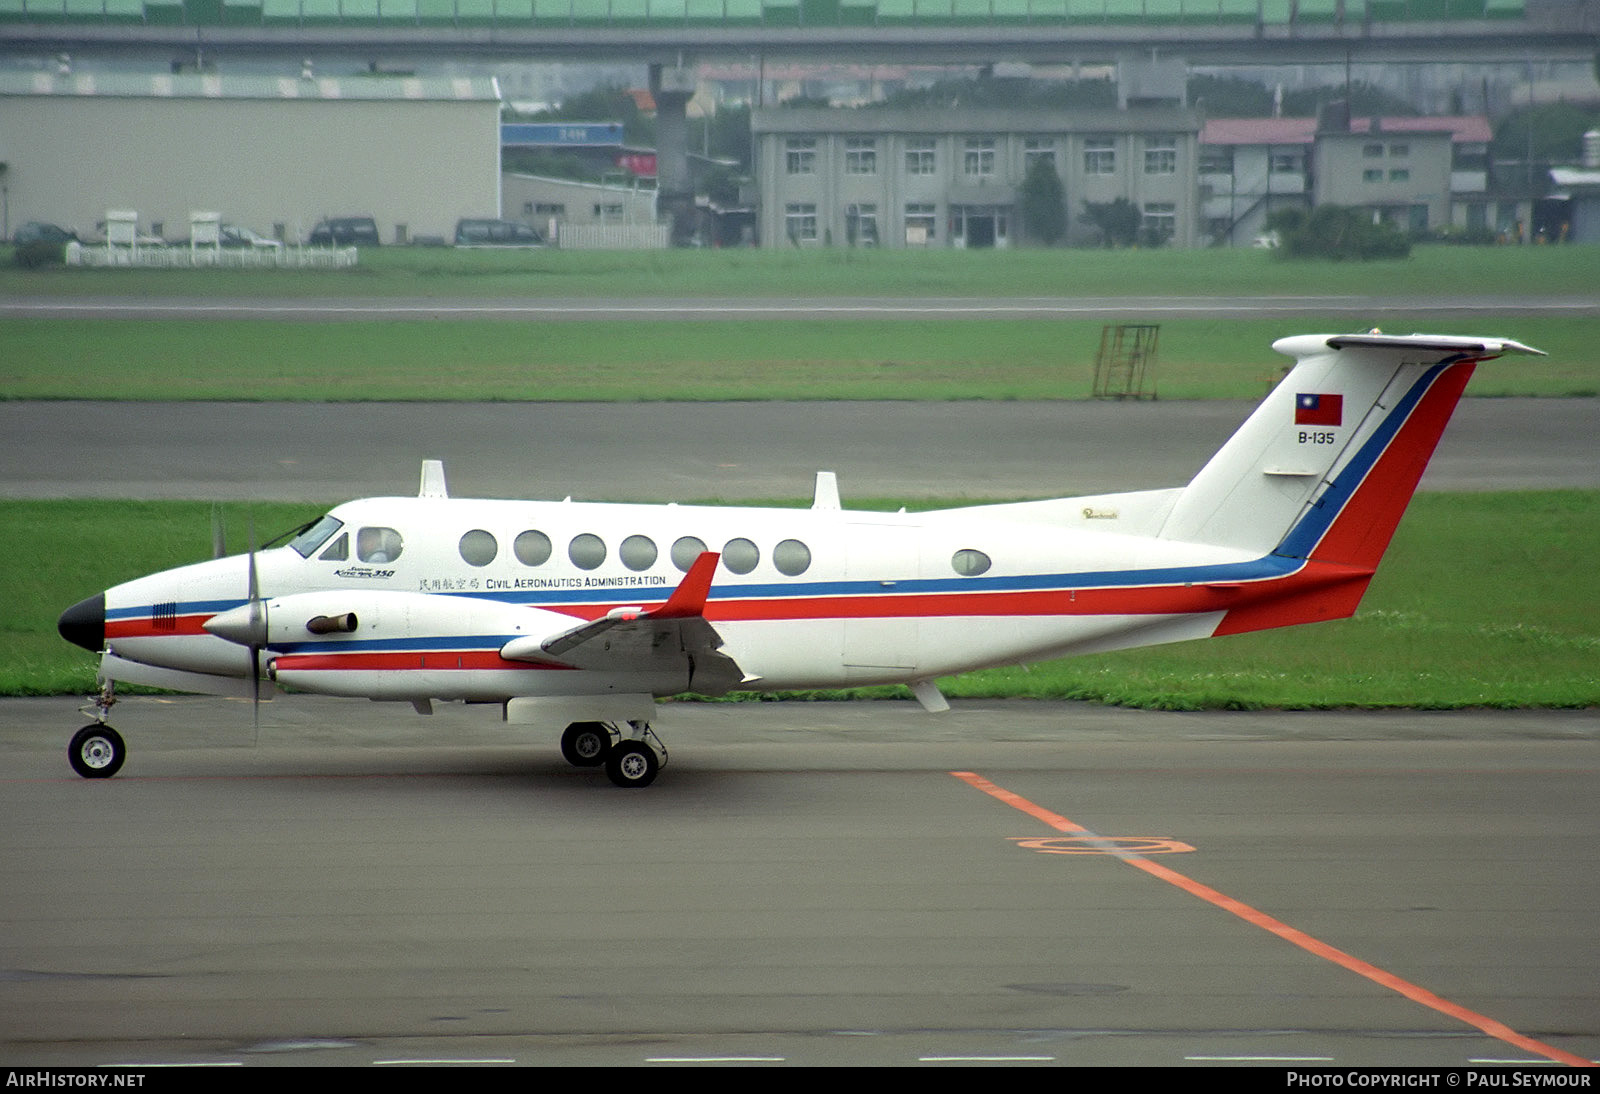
(632, 757)
(97, 750)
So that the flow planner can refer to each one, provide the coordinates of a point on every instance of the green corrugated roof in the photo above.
(162, 86)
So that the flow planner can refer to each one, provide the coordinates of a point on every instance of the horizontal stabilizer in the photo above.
(1442, 343)
(1355, 409)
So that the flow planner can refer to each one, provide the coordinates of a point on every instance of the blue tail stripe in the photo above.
(1303, 538)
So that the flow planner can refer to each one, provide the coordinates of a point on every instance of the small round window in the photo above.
(740, 556)
(969, 563)
(532, 548)
(791, 557)
(478, 548)
(638, 552)
(686, 550)
(587, 551)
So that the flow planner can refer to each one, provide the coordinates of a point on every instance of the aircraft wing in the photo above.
(634, 639)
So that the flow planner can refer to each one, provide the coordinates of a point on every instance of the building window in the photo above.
(1399, 174)
(1160, 222)
(921, 157)
(800, 220)
(1372, 174)
(549, 209)
(1285, 164)
(1161, 156)
(979, 157)
(1216, 161)
(860, 156)
(1099, 156)
(1399, 150)
(801, 156)
(1372, 151)
(861, 225)
(922, 219)
(608, 212)
(1037, 148)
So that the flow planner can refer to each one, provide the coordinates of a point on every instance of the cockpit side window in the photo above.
(378, 545)
(316, 535)
(339, 551)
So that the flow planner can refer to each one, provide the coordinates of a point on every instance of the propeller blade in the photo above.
(219, 533)
(258, 635)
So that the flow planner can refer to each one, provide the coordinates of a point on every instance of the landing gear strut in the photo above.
(97, 750)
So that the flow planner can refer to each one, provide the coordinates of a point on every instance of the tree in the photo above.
(1552, 133)
(1044, 202)
(1118, 221)
(1336, 232)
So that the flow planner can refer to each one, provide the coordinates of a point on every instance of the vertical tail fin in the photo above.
(1325, 466)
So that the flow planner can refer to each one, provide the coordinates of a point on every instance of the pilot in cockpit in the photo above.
(378, 545)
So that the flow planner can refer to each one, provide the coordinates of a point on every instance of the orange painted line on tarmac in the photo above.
(1017, 801)
(1289, 934)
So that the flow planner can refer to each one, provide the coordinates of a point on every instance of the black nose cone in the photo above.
(84, 624)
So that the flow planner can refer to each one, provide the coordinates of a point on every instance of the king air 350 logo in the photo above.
(363, 572)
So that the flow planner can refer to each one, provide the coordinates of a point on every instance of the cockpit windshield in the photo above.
(315, 535)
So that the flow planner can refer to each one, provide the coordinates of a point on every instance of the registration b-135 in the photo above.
(577, 617)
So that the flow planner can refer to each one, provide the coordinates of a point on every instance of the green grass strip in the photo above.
(477, 361)
(784, 273)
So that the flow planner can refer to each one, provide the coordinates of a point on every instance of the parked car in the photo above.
(496, 233)
(345, 232)
(35, 232)
(232, 235)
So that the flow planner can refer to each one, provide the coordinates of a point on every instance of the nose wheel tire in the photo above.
(585, 744)
(96, 752)
(632, 764)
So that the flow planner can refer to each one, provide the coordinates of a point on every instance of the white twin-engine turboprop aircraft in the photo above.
(581, 615)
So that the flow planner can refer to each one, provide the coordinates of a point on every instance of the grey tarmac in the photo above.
(327, 453)
(352, 884)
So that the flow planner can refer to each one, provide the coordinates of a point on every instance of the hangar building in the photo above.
(275, 154)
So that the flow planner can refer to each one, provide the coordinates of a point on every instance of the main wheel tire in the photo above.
(632, 764)
(96, 752)
(585, 744)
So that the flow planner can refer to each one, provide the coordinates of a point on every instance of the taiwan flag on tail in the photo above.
(1318, 409)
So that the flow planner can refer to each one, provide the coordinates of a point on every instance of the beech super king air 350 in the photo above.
(582, 615)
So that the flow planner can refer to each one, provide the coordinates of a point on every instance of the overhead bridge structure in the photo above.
(667, 31)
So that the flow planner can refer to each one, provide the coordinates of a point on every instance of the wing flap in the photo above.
(636, 637)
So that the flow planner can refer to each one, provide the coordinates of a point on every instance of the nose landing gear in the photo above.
(97, 750)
